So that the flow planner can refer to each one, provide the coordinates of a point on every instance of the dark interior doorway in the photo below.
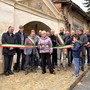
(35, 25)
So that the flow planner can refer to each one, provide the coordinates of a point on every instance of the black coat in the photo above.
(53, 39)
(18, 40)
(7, 39)
(18, 37)
(88, 36)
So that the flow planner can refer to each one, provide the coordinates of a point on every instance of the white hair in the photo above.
(43, 32)
(72, 31)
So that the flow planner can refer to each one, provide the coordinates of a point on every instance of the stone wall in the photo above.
(74, 17)
(6, 16)
(6, 19)
(22, 18)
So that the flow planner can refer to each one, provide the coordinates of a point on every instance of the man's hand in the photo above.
(22, 48)
(11, 48)
(73, 42)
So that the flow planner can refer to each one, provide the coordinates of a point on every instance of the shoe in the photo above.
(18, 70)
(69, 65)
(61, 64)
(75, 75)
(43, 72)
(58, 69)
(82, 68)
(26, 72)
(10, 72)
(22, 69)
(53, 73)
(53, 67)
(39, 67)
(88, 64)
(56, 64)
(6, 74)
(34, 71)
(65, 69)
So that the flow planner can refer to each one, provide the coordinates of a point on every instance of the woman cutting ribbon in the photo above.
(45, 45)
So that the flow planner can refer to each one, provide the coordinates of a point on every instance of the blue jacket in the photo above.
(76, 50)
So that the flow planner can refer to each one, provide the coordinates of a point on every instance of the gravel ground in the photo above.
(37, 81)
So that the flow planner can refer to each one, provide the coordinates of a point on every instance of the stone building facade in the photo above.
(38, 15)
(74, 16)
(23, 12)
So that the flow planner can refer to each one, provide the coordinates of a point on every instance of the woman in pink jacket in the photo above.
(45, 45)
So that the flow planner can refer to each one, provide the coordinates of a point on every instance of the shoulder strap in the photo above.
(31, 40)
(60, 39)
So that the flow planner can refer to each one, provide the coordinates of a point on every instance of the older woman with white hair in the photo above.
(45, 45)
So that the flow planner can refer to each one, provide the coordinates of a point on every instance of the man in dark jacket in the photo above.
(69, 39)
(54, 54)
(83, 38)
(8, 38)
(20, 37)
(88, 48)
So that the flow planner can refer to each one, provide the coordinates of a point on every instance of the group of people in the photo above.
(41, 54)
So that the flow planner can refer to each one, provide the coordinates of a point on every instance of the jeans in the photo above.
(70, 58)
(76, 66)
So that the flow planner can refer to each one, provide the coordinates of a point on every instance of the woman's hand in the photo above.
(40, 47)
(50, 52)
